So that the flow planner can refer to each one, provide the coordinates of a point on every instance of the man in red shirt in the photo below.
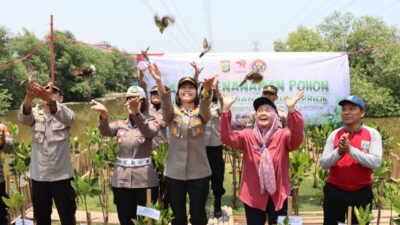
(351, 153)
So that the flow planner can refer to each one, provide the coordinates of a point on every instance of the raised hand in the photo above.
(97, 106)
(197, 70)
(208, 82)
(134, 105)
(35, 90)
(291, 102)
(154, 71)
(141, 75)
(228, 100)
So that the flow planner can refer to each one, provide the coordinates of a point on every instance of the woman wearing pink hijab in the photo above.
(265, 182)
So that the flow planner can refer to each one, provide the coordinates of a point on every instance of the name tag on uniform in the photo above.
(365, 145)
(39, 119)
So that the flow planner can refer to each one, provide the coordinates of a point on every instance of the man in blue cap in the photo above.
(351, 154)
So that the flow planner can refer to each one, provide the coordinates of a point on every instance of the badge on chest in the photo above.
(197, 127)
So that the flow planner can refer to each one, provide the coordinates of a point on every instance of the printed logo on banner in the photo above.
(240, 65)
(259, 65)
(225, 66)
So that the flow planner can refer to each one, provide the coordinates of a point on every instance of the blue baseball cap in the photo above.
(356, 100)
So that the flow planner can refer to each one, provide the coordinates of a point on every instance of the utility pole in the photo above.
(51, 49)
(256, 46)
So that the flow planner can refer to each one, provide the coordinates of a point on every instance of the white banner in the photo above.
(324, 76)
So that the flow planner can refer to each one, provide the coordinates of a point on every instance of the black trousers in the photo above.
(3, 207)
(198, 193)
(257, 217)
(217, 164)
(43, 194)
(127, 200)
(336, 202)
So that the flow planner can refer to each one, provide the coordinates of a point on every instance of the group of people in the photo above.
(198, 122)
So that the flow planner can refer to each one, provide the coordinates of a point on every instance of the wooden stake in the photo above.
(89, 218)
(349, 215)
(148, 202)
(290, 205)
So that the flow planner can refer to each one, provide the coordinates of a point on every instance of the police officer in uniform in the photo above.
(133, 172)
(187, 169)
(155, 110)
(214, 150)
(50, 168)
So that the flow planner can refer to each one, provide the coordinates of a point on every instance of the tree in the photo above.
(375, 75)
(378, 99)
(301, 40)
(336, 28)
(114, 69)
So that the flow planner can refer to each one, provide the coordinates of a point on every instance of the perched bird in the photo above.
(206, 47)
(31, 74)
(87, 73)
(253, 76)
(144, 53)
(164, 22)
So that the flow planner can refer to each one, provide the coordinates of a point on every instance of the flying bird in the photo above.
(206, 47)
(253, 76)
(87, 73)
(31, 74)
(164, 22)
(144, 53)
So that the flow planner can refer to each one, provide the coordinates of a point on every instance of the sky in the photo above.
(231, 25)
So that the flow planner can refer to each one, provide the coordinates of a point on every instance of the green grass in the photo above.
(306, 193)
(94, 204)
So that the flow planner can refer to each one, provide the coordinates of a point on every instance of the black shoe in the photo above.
(217, 207)
(217, 213)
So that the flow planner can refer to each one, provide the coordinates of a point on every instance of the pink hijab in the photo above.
(266, 172)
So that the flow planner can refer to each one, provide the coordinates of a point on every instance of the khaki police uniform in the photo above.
(50, 167)
(50, 159)
(162, 134)
(134, 142)
(187, 158)
(133, 172)
(212, 132)
(187, 169)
